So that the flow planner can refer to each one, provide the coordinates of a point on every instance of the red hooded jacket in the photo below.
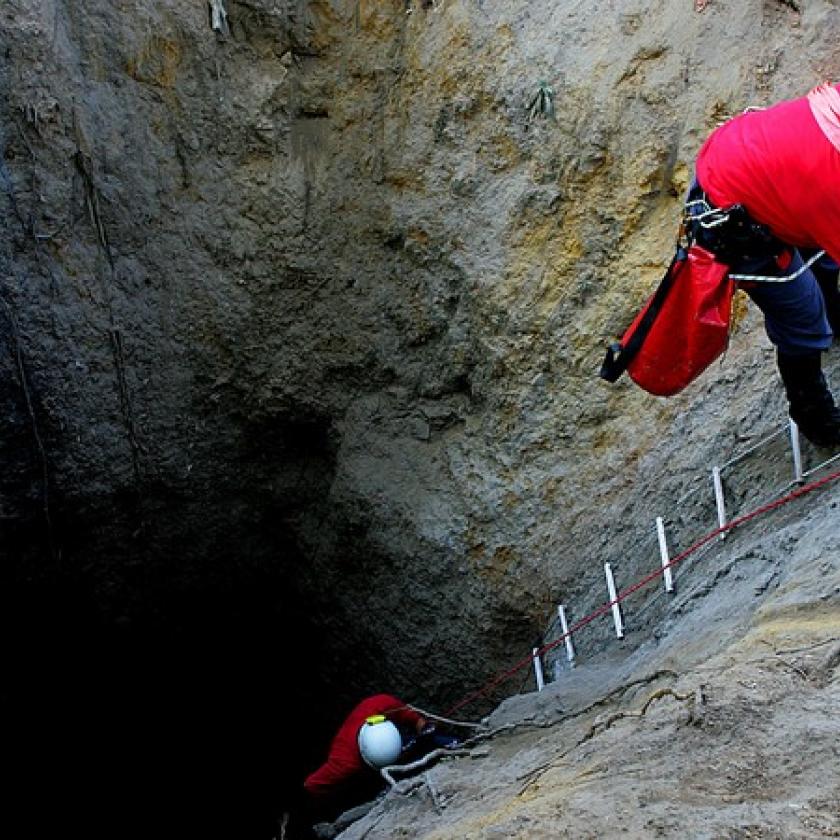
(344, 759)
(782, 168)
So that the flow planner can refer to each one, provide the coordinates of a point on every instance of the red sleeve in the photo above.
(328, 776)
(343, 762)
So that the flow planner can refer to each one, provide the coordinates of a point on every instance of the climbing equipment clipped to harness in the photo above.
(684, 326)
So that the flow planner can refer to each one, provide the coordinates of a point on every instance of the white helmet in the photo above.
(379, 742)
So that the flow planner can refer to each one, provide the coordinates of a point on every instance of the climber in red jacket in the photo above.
(782, 166)
(379, 732)
(345, 762)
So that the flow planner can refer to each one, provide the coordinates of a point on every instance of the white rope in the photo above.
(792, 485)
(440, 719)
(821, 466)
(687, 495)
(786, 278)
(735, 459)
(718, 216)
(427, 759)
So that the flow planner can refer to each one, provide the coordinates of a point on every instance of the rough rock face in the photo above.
(722, 724)
(302, 319)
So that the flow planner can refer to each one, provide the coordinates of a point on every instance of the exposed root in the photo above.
(425, 761)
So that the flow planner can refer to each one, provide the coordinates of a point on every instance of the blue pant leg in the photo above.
(826, 270)
(794, 311)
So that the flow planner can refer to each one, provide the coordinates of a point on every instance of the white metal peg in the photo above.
(663, 553)
(798, 476)
(616, 610)
(538, 671)
(721, 507)
(567, 637)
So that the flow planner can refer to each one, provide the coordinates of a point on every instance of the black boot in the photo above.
(811, 405)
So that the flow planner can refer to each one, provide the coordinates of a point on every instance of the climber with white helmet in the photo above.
(380, 742)
(379, 732)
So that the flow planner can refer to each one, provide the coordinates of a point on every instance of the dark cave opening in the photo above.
(167, 682)
(201, 726)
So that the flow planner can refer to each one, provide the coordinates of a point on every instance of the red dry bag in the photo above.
(682, 329)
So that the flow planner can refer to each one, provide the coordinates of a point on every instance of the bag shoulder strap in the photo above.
(619, 356)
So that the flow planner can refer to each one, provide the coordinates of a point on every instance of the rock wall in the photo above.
(303, 316)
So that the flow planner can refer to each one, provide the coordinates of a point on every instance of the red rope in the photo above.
(604, 608)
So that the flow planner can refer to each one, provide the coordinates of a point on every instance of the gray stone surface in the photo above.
(314, 304)
(722, 725)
